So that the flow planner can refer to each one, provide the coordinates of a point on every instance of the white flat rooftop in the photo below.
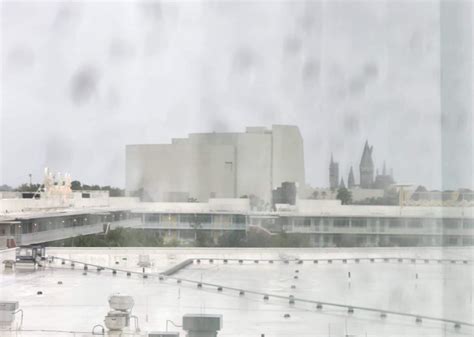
(442, 290)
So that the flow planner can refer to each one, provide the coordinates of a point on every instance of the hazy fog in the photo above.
(81, 80)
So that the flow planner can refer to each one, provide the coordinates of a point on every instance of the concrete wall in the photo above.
(309, 205)
(217, 165)
(214, 205)
(97, 199)
(287, 156)
(197, 170)
(229, 205)
(251, 163)
(19, 205)
(123, 202)
(254, 165)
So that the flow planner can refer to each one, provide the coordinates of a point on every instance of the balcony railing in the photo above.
(202, 226)
(68, 232)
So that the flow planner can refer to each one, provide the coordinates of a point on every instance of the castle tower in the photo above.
(333, 174)
(366, 167)
(351, 180)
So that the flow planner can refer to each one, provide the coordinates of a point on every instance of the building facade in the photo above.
(217, 165)
(324, 223)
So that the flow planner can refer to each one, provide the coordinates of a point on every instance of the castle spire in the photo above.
(366, 167)
(333, 173)
(351, 180)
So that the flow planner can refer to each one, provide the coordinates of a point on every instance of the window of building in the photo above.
(451, 223)
(239, 219)
(468, 223)
(341, 222)
(357, 222)
(415, 223)
(203, 218)
(452, 240)
(395, 223)
(152, 218)
(222, 219)
(186, 218)
(169, 218)
(298, 222)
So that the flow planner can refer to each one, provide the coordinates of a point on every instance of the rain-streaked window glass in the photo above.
(236, 168)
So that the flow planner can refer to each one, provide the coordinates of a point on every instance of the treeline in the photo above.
(128, 237)
(113, 191)
(75, 186)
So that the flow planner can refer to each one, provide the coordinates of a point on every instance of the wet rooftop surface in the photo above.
(441, 290)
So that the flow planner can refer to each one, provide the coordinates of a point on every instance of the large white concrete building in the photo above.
(217, 165)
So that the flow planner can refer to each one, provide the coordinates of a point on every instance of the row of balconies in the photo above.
(377, 230)
(192, 226)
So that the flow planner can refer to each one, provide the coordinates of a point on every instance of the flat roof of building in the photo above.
(50, 213)
(316, 208)
(386, 211)
(442, 290)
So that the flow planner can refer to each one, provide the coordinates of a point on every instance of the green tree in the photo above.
(232, 239)
(344, 195)
(76, 185)
(314, 195)
(28, 187)
(5, 188)
(113, 191)
(203, 239)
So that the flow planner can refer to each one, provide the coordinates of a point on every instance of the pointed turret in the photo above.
(366, 167)
(350, 179)
(333, 174)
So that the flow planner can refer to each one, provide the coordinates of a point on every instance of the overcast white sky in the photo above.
(80, 80)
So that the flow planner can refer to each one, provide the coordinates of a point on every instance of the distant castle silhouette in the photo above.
(366, 170)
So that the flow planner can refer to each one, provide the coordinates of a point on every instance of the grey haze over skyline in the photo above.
(80, 80)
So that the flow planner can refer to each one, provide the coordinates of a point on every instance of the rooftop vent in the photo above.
(119, 317)
(199, 325)
(8, 309)
(144, 261)
(121, 302)
(117, 320)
